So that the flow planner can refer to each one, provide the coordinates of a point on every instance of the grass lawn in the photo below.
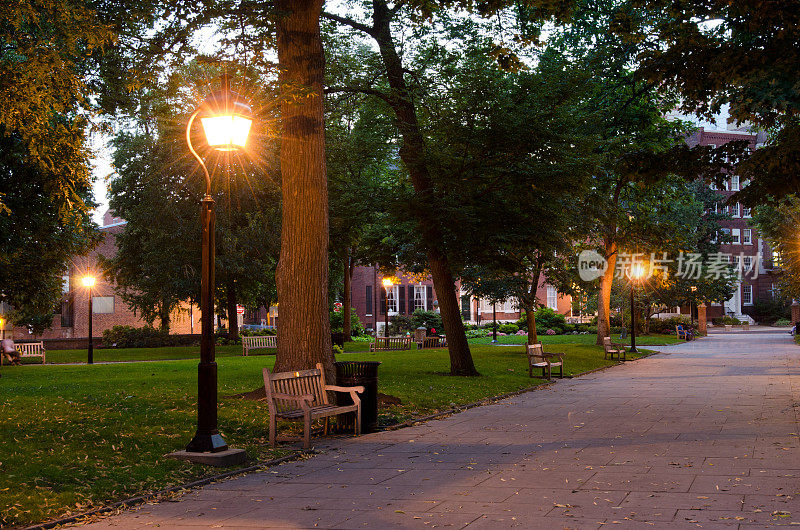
(78, 436)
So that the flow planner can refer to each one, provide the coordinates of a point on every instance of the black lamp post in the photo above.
(88, 282)
(637, 271)
(226, 120)
(494, 323)
(387, 284)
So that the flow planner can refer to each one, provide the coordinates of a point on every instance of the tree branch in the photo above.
(349, 22)
(359, 90)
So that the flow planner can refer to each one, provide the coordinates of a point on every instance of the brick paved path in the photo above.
(703, 435)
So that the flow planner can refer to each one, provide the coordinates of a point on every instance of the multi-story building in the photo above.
(71, 315)
(746, 248)
(410, 293)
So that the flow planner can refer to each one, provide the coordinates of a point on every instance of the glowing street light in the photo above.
(387, 284)
(88, 282)
(637, 272)
(226, 119)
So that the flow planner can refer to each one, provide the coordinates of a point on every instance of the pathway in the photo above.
(704, 435)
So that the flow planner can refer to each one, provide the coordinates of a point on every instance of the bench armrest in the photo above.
(350, 389)
(554, 354)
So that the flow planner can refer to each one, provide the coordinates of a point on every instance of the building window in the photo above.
(369, 300)
(65, 284)
(747, 236)
(735, 183)
(392, 296)
(419, 297)
(747, 294)
(735, 210)
(736, 236)
(746, 212)
(552, 298)
(466, 307)
(102, 305)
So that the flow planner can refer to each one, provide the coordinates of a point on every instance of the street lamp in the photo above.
(88, 282)
(637, 272)
(693, 288)
(387, 284)
(494, 323)
(226, 119)
(2, 328)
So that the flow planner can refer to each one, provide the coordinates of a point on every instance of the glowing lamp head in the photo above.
(226, 119)
(88, 281)
(637, 271)
(387, 282)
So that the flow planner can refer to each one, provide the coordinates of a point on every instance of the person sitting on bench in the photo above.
(10, 352)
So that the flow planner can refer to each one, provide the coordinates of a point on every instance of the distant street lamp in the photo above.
(226, 120)
(637, 272)
(88, 282)
(691, 304)
(2, 328)
(387, 284)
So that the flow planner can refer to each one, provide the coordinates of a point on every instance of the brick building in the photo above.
(746, 248)
(71, 315)
(369, 300)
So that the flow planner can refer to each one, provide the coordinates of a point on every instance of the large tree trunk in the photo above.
(347, 326)
(604, 297)
(412, 153)
(304, 337)
(530, 316)
(233, 316)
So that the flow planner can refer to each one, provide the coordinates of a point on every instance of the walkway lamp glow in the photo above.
(226, 119)
(88, 281)
(637, 273)
(387, 284)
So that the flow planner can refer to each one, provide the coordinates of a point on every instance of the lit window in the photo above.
(392, 294)
(65, 284)
(419, 297)
(736, 236)
(102, 305)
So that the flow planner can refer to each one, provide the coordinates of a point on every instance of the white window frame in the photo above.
(747, 294)
(552, 298)
(747, 236)
(736, 236)
(419, 295)
(735, 183)
(746, 212)
(393, 306)
(735, 210)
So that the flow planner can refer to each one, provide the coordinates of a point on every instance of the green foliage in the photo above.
(667, 325)
(430, 320)
(770, 310)
(547, 318)
(726, 320)
(337, 322)
(144, 337)
(337, 350)
(782, 322)
(508, 329)
(401, 324)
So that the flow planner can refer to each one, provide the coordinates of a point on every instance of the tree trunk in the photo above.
(233, 316)
(412, 153)
(604, 298)
(163, 315)
(302, 274)
(347, 326)
(530, 315)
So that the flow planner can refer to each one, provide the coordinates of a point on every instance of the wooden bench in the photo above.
(304, 395)
(255, 343)
(538, 358)
(23, 349)
(390, 344)
(612, 348)
(432, 342)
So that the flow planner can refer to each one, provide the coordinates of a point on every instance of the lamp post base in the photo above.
(207, 443)
(228, 457)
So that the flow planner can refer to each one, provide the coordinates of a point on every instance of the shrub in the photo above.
(144, 337)
(667, 325)
(476, 333)
(337, 322)
(726, 320)
(508, 329)
(551, 332)
(257, 332)
(545, 318)
(337, 349)
(401, 324)
(782, 322)
(430, 319)
(769, 311)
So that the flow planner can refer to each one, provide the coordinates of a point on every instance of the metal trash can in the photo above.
(359, 373)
